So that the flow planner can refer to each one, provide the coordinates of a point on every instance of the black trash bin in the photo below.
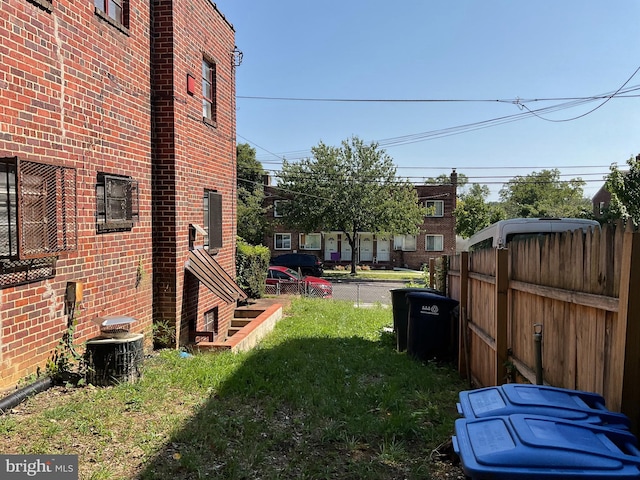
(401, 312)
(431, 330)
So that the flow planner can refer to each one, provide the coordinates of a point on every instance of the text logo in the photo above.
(49, 467)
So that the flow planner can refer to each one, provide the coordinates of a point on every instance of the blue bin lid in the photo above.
(564, 403)
(535, 447)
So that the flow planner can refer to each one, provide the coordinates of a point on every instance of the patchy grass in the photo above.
(324, 396)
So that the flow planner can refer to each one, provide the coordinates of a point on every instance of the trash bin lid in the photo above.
(533, 447)
(416, 290)
(576, 405)
(430, 303)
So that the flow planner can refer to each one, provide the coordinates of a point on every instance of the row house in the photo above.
(436, 236)
(117, 172)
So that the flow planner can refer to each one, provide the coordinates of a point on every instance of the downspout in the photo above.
(19, 396)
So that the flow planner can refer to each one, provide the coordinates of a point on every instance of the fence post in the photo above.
(627, 337)
(463, 346)
(501, 313)
(432, 272)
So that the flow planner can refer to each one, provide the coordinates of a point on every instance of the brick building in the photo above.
(113, 166)
(437, 235)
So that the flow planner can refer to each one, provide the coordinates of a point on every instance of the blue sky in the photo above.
(455, 50)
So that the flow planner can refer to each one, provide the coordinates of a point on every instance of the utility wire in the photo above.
(590, 111)
(457, 130)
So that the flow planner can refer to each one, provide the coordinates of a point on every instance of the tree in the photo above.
(352, 188)
(625, 191)
(252, 222)
(473, 213)
(543, 194)
(444, 179)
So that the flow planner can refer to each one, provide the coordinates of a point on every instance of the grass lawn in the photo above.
(324, 396)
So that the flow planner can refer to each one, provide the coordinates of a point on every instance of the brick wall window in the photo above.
(310, 241)
(434, 243)
(115, 10)
(212, 220)
(208, 91)
(277, 208)
(116, 203)
(37, 209)
(282, 241)
(406, 243)
(435, 208)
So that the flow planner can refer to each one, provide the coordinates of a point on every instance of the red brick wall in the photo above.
(75, 91)
(191, 155)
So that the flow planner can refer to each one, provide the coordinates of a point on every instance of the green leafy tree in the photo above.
(624, 187)
(543, 194)
(352, 188)
(473, 212)
(444, 179)
(252, 222)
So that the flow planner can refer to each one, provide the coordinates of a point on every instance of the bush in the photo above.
(252, 263)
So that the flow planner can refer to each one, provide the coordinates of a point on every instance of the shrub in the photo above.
(252, 262)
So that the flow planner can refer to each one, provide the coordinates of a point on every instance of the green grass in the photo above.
(324, 396)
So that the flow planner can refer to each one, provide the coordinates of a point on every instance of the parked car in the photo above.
(307, 263)
(287, 281)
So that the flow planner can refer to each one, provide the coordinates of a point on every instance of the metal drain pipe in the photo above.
(537, 339)
(22, 394)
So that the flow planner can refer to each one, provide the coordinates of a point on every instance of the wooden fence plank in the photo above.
(501, 315)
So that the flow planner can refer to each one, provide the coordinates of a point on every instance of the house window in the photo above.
(434, 243)
(406, 243)
(435, 208)
(209, 91)
(310, 241)
(212, 220)
(602, 208)
(282, 241)
(113, 9)
(277, 208)
(117, 203)
(37, 209)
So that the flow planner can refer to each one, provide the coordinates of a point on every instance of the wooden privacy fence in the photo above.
(581, 291)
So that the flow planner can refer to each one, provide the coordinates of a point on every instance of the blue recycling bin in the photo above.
(534, 447)
(515, 398)
(400, 308)
(431, 329)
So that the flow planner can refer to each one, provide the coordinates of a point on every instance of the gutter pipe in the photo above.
(22, 394)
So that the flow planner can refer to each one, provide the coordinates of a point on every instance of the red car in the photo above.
(283, 280)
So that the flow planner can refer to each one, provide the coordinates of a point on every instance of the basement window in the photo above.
(116, 203)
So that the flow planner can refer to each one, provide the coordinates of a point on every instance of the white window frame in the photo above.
(283, 240)
(310, 241)
(435, 249)
(209, 94)
(437, 205)
(406, 243)
(275, 208)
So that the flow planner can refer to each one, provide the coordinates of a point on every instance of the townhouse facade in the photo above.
(117, 171)
(436, 236)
